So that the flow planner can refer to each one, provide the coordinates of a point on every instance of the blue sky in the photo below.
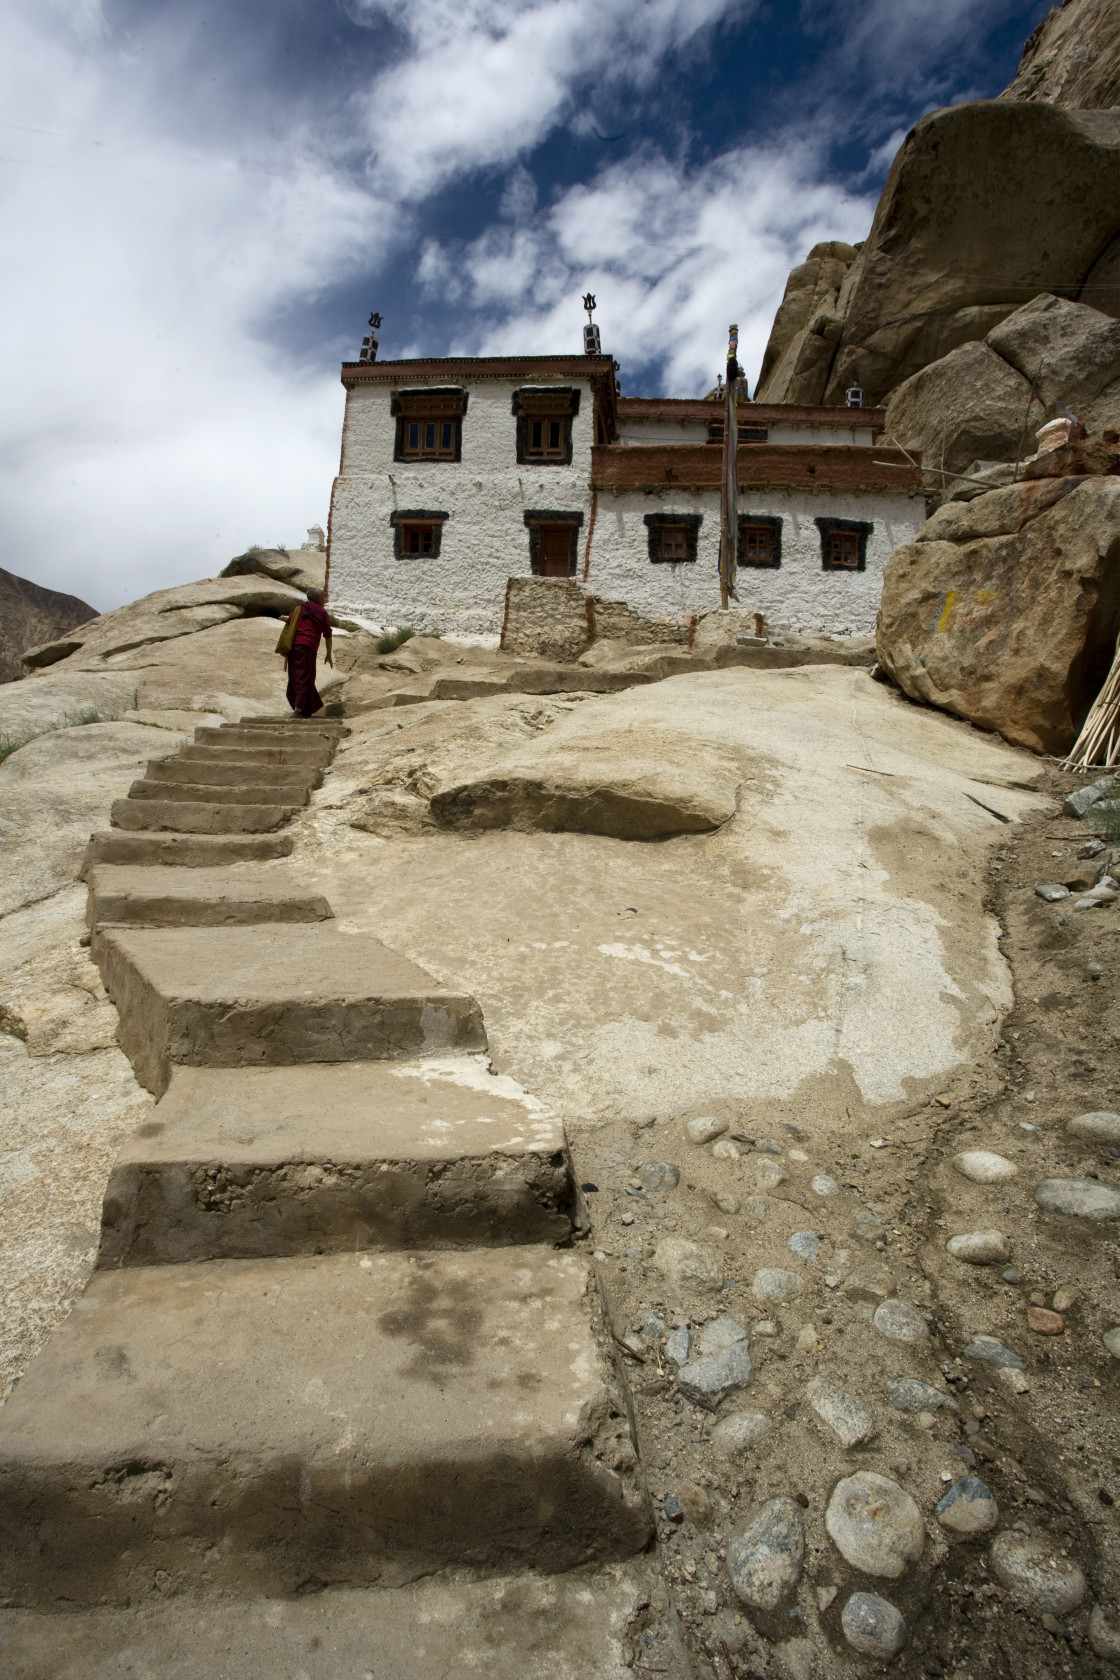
(204, 202)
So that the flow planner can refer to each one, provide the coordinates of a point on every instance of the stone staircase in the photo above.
(337, 1401)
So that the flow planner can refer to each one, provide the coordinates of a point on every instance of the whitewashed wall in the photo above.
(664, 429)
(485, 541)
(799, 592)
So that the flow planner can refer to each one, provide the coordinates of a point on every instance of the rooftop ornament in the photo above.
(368, 352)
(591, 342)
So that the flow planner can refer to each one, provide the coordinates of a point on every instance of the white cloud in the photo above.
(488, 79)
(148, 428)
(672, 253)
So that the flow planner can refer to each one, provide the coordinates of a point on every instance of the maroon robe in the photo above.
(311, 625)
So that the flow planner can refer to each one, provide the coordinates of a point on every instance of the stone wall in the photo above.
(546, 618)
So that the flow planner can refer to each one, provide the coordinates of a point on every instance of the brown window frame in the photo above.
(749, 522)
(437, 411)
(673, 541)
(535, 518)
(419, 520)
(844, 530)
(552, 409)
(691, 523)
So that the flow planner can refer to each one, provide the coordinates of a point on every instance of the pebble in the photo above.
(823, 1185)
(678, 1345)
(697, 1505)
(1034, 1574)
(1083, 1197)
(724, 1202)
(847, 1417)
(687, 1266)
(723, 1364)
(766, 1173)
(980, 1248)
(1053, 893)
(719, 1232)
(673, 1508)
(1010, 1275)
(798, 1155)
(726, 1149)
(797, 1659)
(1091, 849)
(899, 1320)
(968, 1507)
(1100, 1125)
(908, 1394)
(659, 1175)
(765, 1327)
(991, 1351)
(872, 1626)
(1104, 1638)
(768, 1146)
(773, 1284)
(757, 1207)
(1065, 1297)
(704, 1129)
(1043, 1322)
(653, 1326)
(764, 1563)
(805, 1243)
(1111, 1340)
(874, 1524)
(984, 1167)
(738, 1435)
(872, 1286)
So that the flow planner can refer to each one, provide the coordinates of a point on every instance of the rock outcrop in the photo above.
(303, 568)
(806, 327)
(1073, 57)
(987, 205)
(1005, 609)
(985, 402)
(29, 614)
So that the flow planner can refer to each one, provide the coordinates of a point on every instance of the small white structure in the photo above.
(458, 473)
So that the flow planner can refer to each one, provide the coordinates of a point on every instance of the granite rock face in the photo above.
(29, 613)
(1072, 58)
(1003, 610)
(806, 327)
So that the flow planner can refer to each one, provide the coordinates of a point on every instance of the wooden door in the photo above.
(554, 554)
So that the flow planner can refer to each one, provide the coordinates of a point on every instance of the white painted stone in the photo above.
(983, 1166)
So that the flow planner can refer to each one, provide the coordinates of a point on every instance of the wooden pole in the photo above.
(729, 498)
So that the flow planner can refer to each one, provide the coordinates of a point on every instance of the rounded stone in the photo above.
(1111, 1340)
(1044, 1322)
(899, 1320)
(1036, 1575)
(1081, 1197)
(980, 1248)
(823, 1185)
(910, 1394)
(875, 1525)
(805, 1243)
(984, 1167)
(687, 1266)
(773, 1284)
(726, 1149)
(1101, 1126)
(872, 1626)
(738, 1435)
(659, 1175)
(847, 1417)
(766, 1173)
(704, 1129)
(968, 1507)
(764, 1563)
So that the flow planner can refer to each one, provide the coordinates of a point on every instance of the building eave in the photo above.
(751, 414)
(598, 370)
(682, 466)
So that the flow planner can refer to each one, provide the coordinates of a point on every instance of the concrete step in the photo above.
(208, 794)
(273, 996)
(314, 755)
(225, 770)
(185, 816)
(270, 1426)
(233, 735)
(241, 1163)
(319, 725)
(191, 851)
(584, 1625)
(166, 897)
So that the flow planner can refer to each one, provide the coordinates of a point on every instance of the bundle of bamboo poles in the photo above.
(1099, 740)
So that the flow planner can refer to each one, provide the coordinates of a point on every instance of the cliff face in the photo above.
(1073, 57)
(30, 614)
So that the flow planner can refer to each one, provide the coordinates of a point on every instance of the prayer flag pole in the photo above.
(729, 498)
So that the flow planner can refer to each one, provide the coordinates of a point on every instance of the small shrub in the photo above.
(394, 640)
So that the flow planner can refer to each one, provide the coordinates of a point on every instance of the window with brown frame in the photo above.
(544, 438)
(844, 544)
(544, 423)
(760, 541)
(418, 539)
(417, 533)
(673, 541)
(430, 438)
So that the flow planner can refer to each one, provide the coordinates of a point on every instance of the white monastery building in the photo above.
(459, 473)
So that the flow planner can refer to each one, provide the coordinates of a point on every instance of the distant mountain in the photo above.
(30, 614)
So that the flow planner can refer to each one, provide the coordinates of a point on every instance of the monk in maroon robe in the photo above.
(311, 626)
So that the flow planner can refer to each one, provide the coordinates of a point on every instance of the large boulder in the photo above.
(986, 205)
(30, 613)
(803, 338)
(1005, 609)
(1070, 352)
(303, 568)
(1073, 57)
(968, 406)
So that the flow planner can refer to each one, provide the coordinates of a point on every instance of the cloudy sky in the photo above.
(202, 202)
